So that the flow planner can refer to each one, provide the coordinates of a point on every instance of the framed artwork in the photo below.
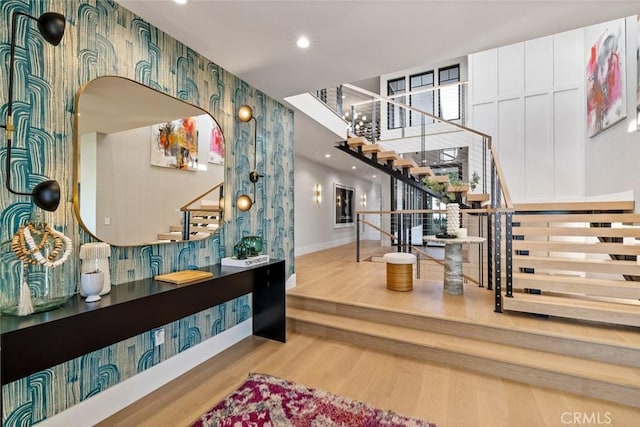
(605, 75)
(174, 144)
(343, 214)
(216, 145)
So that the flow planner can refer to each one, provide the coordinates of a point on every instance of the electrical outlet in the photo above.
(107, 221)
(158, 337)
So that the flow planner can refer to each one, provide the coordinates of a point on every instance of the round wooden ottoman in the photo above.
(399, 271)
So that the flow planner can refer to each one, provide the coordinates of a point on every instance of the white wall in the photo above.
(141, 200)
(314, 228)
(531, 97)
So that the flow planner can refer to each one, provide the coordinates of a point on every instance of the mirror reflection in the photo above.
(141, 155)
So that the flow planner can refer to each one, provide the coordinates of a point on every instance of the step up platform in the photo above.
(597, 368)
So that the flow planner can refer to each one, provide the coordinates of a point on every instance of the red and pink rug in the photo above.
(263, 400)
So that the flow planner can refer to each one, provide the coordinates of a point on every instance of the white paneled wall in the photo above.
(528, 97)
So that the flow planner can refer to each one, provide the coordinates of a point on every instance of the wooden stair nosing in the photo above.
(618, 314)
(604, 248)
(622, 205)
(404, 163)
(205, 211)
(577, 231)
(578, 217)
(387, 155)
(583, 347)
(370, 148)
(588, 265)
(595, 379)
(356, 141)
(421, 171)
(175, 228)
(577, 285)
(478, 197)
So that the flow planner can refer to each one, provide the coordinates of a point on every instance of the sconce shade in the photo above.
(244, 202)
(46, 195)
(51, 26)
(245, 113)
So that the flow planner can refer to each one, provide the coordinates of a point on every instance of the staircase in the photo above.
(406, 169)
(201, 218)
(576, 260)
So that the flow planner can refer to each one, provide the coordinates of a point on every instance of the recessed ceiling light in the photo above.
(374, 176)
(327, 155)
(303, 42)
(346, 113)
(181, 1)
(353, 167)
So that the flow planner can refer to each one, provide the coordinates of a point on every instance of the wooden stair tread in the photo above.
(387, 155)
(599, 311)
(370, 148)
(478, 197)
(607, 266)
(463, 189)
(486, 350)
(198, 220)
(625, 205)
(357, 141)
(420, 171)
(173, 235)
(405, 163)
(577, 231)
(576, 247)
(596, 218)
(205, 211)
(440, 179)
(175, 228)
(578, 285)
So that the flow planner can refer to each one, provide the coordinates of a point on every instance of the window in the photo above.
(422, 101)
(449, 99)
(395, 114)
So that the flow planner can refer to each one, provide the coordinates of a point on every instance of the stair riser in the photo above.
(573, 312)
(530, 375)
(572, 347)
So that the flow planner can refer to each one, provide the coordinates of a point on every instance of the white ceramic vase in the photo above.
(453, 218)
(91, 284)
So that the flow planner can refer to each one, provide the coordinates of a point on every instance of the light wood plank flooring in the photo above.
(447, 396)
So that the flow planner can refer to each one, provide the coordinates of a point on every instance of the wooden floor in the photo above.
(446, 396)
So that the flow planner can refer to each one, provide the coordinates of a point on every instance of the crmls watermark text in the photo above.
(586, 418)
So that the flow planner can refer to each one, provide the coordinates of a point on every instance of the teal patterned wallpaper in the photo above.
(102, 38)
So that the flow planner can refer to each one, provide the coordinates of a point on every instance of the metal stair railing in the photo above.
(187, 209)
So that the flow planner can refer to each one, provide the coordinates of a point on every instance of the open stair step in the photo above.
(421, 171)
(597, 311)
(357, 141)
(370, 148)
(588, 265)
(405, 163)
(579, 217)
(577, 231)
(388, 155)
(621, 206)
(578, 285)
(576, 247)
(591, 378)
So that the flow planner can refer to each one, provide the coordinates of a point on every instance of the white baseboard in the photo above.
(123, 394)
(321, 246)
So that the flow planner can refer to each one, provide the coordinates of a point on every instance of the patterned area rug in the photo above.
(264, 400)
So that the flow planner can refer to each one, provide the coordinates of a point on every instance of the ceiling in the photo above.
(356, 40)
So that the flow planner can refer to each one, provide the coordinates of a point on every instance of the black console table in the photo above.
(39, 341)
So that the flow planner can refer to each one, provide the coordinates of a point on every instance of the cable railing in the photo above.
(415, 225)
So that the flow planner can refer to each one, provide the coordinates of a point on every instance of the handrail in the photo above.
(389, 235)
(501, 178)
(442, 263)
(416, 92)
(410, 108)
(185, 207)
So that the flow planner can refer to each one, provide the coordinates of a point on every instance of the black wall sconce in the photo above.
(51, 25)
(244, 202)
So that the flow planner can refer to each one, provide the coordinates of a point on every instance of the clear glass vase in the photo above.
(49, 287)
